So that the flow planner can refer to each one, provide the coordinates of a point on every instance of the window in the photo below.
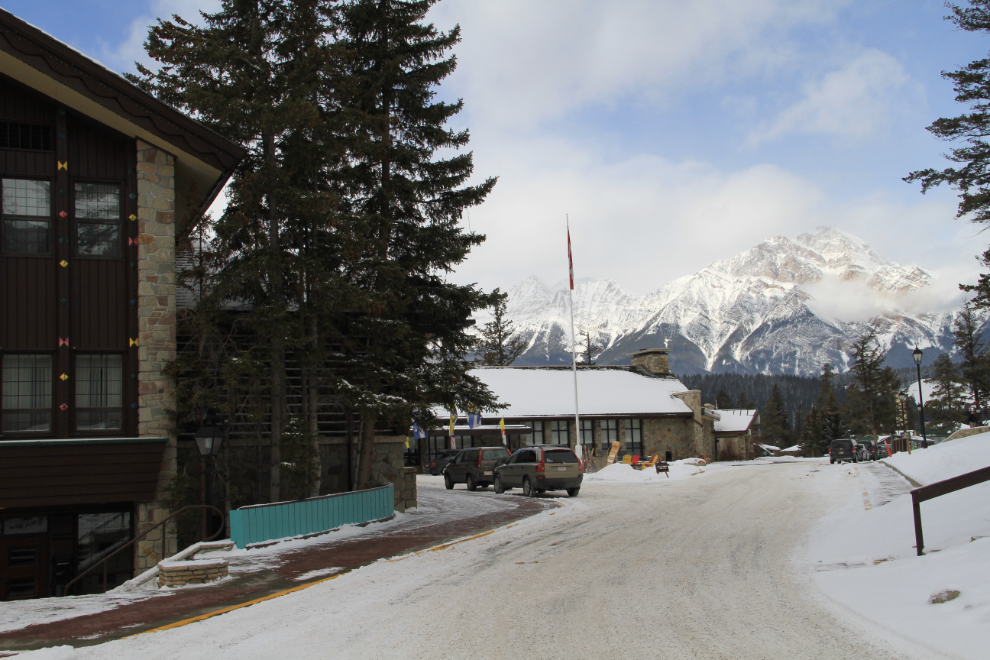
(15, 135)
(97, 219)
(634, 436)
(558, 433)
(587, 433)
(559, 456)
(27, 216)
(535, 435)
(26, 404)
(610, 433)
(99, 399)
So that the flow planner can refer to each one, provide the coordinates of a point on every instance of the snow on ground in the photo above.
(622, 473)
(890, 585)
(15, 614)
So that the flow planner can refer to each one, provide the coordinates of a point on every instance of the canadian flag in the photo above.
(570, 261)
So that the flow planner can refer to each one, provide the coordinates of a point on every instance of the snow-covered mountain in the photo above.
(784, 306)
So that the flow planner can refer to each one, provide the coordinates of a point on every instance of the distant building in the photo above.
(642, 406)
(735, 432)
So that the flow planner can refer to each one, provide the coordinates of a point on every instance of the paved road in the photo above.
(700, 568)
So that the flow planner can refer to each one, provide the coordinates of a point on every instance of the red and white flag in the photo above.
(570, 261)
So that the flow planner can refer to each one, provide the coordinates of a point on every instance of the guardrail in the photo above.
(265, 522)
(925, 493)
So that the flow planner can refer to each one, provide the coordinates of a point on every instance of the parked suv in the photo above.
(474, 467)
(870, 450)
(841, 450)
(437, 465)
(539, 469)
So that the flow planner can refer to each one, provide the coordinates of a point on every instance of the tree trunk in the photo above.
(367, 452)
(278, 397)
(311, 394)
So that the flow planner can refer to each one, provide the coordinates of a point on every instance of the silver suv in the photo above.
(541, 468)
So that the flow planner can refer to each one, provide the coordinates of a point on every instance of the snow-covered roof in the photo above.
(734, 421)
(602, 392)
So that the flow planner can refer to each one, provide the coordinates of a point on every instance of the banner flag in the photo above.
(418, 433)
(474, 419)
(501, 425)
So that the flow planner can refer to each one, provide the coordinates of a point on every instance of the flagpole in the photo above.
(570, 293)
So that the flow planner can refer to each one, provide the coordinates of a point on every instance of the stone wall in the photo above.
(181, 573)
(389, 467)
(156, 333)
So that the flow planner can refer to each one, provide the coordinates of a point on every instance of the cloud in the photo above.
(522, 63)
(123, 55)
(854, 102)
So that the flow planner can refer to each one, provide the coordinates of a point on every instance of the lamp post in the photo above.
(902, 395)
(917, 355)
(209, 439)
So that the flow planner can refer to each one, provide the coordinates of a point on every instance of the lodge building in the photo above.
(94, 176)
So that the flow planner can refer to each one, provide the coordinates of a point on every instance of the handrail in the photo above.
(103, 561)
(919, 495)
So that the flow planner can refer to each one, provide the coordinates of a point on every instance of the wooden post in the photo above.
(919, 539)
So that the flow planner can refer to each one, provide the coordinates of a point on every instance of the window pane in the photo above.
(27, 393)
(97, 201)
(24, 197)
(97, 239)
(25, 236)
(98, 381)
(96, 420)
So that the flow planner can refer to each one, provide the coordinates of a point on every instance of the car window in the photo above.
(528, 456)
(493, 454)
(560, 456)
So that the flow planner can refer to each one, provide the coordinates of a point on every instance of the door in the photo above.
(23, 567)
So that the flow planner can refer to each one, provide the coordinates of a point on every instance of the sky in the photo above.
(672, 134)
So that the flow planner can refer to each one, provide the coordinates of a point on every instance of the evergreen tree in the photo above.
(723, 400)
(743, 402)
(588, 349)
(497, 347)
(834, 427)
(408, 202)
(949, 395)
(973, 349)
(774, 419)
(871, 400)
(972, 177)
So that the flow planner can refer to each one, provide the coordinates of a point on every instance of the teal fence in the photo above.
(264, 522)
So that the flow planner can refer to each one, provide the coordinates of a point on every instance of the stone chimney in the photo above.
(653, 360)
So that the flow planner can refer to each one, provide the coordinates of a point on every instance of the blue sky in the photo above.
(674, 133)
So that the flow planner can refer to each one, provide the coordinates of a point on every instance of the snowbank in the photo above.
(865, 557)
(944, 460)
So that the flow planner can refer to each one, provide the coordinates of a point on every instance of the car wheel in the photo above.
(499, 489)
(528, 489)
(448, 482)
(831, 462)
(573, 492)
(470, 483)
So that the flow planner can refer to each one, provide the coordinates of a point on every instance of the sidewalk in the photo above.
(443, 516)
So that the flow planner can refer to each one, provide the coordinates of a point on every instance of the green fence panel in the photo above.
(265, 522)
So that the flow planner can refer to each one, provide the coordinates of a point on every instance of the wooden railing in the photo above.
(265, 522)
(925, 493)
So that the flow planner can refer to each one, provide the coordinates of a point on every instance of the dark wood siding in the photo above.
(27, 306)
(98, 291)
(78, 472)
(97, 154)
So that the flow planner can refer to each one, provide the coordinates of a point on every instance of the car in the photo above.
(872, 450)
(842, 450)
(537, 469)
(437, 465)
(474, 467)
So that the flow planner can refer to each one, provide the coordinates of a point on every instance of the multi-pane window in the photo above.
(535, 435)
(26, 402)
(609, 433)
(634, 436)
(99, 398)
(27, 216)
(97, 208)
(558, 433)
(587, 433)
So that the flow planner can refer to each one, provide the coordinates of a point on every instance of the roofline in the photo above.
(87, 77)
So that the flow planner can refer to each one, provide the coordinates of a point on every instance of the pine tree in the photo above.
(949, 395)
(723, 400)
(774, 418)
(408, 202)
(588, 349)
(743, 402)
(497, 347)
(972, 179)
(871, 400)
(974, 351)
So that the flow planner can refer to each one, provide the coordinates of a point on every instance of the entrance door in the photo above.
(23, 567)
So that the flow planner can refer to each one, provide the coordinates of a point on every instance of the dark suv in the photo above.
(842, 450)
(474, 467)
(539, 469)
(437, 465)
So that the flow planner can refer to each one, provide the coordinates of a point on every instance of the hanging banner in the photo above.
(501, 425)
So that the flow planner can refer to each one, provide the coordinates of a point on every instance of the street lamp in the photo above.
(209, 439)
(917, 355)
(902, 395)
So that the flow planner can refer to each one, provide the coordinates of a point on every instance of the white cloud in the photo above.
(123, 55)
(523, 62)
(852, 103)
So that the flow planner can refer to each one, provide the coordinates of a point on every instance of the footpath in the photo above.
(443, 517)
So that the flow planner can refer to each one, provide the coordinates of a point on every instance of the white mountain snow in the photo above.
(783, 306)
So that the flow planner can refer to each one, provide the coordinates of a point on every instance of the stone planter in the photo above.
(195, 571)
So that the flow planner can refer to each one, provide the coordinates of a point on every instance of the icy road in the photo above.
(709, 566)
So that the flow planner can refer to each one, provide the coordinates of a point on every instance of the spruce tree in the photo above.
(774, 418)
(588, 349)
(871, 400)
(497, 347)
(974, 352)
(723, 400)
(408, 201)
(945, 408)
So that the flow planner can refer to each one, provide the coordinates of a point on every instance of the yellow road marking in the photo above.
(470, 538)
(202, 617)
